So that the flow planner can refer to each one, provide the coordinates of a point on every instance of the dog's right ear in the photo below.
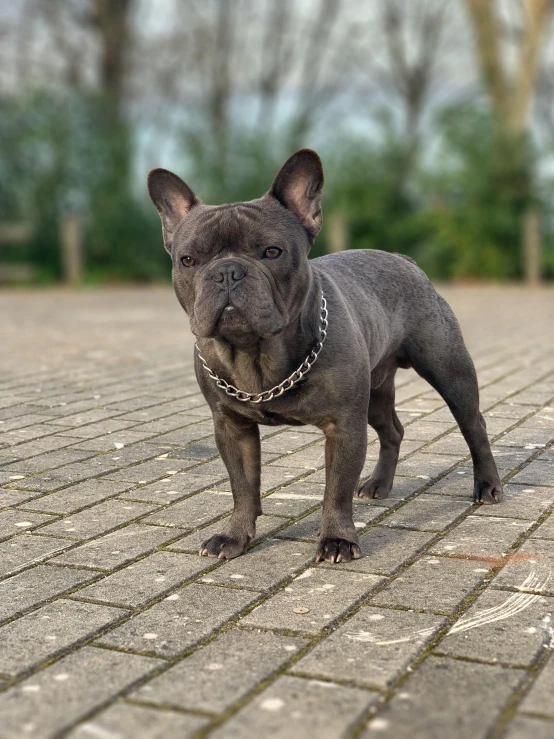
(173, 199)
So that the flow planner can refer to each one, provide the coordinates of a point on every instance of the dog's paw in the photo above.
(486, 493)
(224, 546)
(337, 550)
(375, 488)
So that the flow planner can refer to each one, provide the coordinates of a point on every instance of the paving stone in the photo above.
(547, 456)
(536, 473)
(219, 674)
(200, 467)
(24, 550)
(137, 453)
(293, 500)
(177, 429)
(37, 585)
(527, 436)
(98, 519)
(111, 442)
(155, 412)
(41, 634)
(36, 431)
(61, 477)
(28, 420)
(56, 697)
(440, 700)
(425, 404)
(82, 419)
(192, 512)
(203, 449)
(75, 497)
(151, 470)
(181, 620)
(458, 483)
(125, 721)
(309, 603)
(139, 402)
(478, 536)
(265, 566)
(309, 458)
(47, 461)
(10, 498)
(287, 442)
(373, 647)
(101, 428)
(426, 466)
(428, 513)
(265, 525)
(308, 527)
(385, 549)
(497, 425)
(272, 477)
(435, 584)
(488, 631)
(507, 458)
(165, 491)
(13, 521)
(425, 430)
(37, 446)
(520, 501)
(529, 569)
(453, 444)
(118, 547)
(147, 579)
(442, 415)
(539, 697)
(545, 530)
(523, 727)
(292, 707)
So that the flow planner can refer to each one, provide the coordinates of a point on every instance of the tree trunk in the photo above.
(532, 246)
(511, 101)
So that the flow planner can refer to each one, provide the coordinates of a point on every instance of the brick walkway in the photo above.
(111, 625)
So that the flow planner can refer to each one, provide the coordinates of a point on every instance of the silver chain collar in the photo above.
(282, 387)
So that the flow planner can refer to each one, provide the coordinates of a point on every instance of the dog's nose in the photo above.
(227, 274)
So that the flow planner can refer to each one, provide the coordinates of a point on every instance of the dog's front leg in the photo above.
(345, 450)
(238, 441)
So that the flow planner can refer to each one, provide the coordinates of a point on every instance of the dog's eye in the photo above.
(187, 261)
(272, 253)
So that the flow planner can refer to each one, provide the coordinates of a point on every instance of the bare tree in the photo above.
(413, 35)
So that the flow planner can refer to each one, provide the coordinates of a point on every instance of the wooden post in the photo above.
(338, 231)
(532, 246)
(72, 248)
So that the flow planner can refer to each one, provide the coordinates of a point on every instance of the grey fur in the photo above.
(256, 318)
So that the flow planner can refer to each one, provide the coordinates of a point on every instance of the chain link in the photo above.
(282, 387)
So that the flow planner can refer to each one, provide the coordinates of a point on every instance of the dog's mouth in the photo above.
(231, 318)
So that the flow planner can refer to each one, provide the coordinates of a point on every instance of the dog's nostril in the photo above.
(228, 274)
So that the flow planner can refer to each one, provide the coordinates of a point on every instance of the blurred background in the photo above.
(434, 120)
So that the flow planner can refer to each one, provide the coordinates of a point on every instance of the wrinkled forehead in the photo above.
(215, 228)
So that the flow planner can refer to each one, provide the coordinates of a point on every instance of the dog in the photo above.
(282, 339)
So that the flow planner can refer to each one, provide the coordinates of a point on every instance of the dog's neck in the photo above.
(255, 366)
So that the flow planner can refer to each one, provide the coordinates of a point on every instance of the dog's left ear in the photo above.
(173, 199)
(298, 187)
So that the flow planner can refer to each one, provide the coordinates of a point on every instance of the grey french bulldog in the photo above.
(285, 340)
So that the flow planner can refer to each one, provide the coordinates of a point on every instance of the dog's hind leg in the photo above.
(438, 353)
(382, 417)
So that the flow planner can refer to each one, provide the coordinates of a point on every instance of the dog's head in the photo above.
(241, 271)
